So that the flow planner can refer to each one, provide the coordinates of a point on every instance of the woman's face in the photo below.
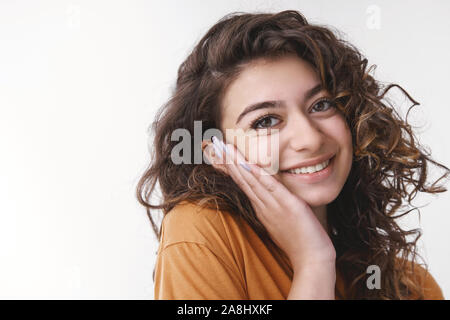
(302, 127)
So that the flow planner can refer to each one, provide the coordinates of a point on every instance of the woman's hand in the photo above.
(289, 220)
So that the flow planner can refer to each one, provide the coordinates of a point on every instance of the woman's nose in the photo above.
(304, 133)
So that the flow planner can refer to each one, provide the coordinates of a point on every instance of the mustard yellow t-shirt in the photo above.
(208, 254)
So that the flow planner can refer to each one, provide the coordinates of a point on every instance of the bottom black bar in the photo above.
(213, 309)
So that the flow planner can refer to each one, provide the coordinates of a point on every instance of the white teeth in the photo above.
(310, 169)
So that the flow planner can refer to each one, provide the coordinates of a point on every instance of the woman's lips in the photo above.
(311, 177)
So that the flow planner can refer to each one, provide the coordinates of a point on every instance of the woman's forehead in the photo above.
(265, 80)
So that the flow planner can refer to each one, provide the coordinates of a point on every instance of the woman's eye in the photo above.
(265, 122)
(324, 102)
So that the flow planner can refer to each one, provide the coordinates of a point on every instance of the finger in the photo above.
(237, 176)
(264, 184)
(267, 200)
(264, 204)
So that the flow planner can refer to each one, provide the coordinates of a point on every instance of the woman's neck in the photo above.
(321, 215)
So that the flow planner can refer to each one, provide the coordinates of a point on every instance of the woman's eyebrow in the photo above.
(277, 103)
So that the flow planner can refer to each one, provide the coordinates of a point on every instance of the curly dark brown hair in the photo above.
(389, 166)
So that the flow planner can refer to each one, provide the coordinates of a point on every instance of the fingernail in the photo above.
(246, 167)
(220, 144)
(217, 151)
(226, 148)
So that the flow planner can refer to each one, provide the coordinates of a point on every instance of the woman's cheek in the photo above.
(258, 147)
(264, 151)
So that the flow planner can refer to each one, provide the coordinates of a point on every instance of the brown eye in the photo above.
(324, 105)
(263, 122)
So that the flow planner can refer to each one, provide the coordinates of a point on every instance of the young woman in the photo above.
(313, 217)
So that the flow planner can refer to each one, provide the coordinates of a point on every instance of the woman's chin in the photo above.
(316, 197)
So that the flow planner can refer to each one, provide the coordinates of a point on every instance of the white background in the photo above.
(80, 82)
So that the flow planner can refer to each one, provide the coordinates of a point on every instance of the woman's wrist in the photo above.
(313, 282)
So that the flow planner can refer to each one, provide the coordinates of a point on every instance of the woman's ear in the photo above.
(213, 156)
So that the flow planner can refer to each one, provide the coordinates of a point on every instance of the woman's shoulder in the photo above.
(422, 276)
(197, 256)
(195, 223)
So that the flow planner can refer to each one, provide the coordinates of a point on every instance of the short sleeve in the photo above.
(191, 271)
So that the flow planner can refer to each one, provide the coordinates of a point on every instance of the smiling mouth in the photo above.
(310, 169)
